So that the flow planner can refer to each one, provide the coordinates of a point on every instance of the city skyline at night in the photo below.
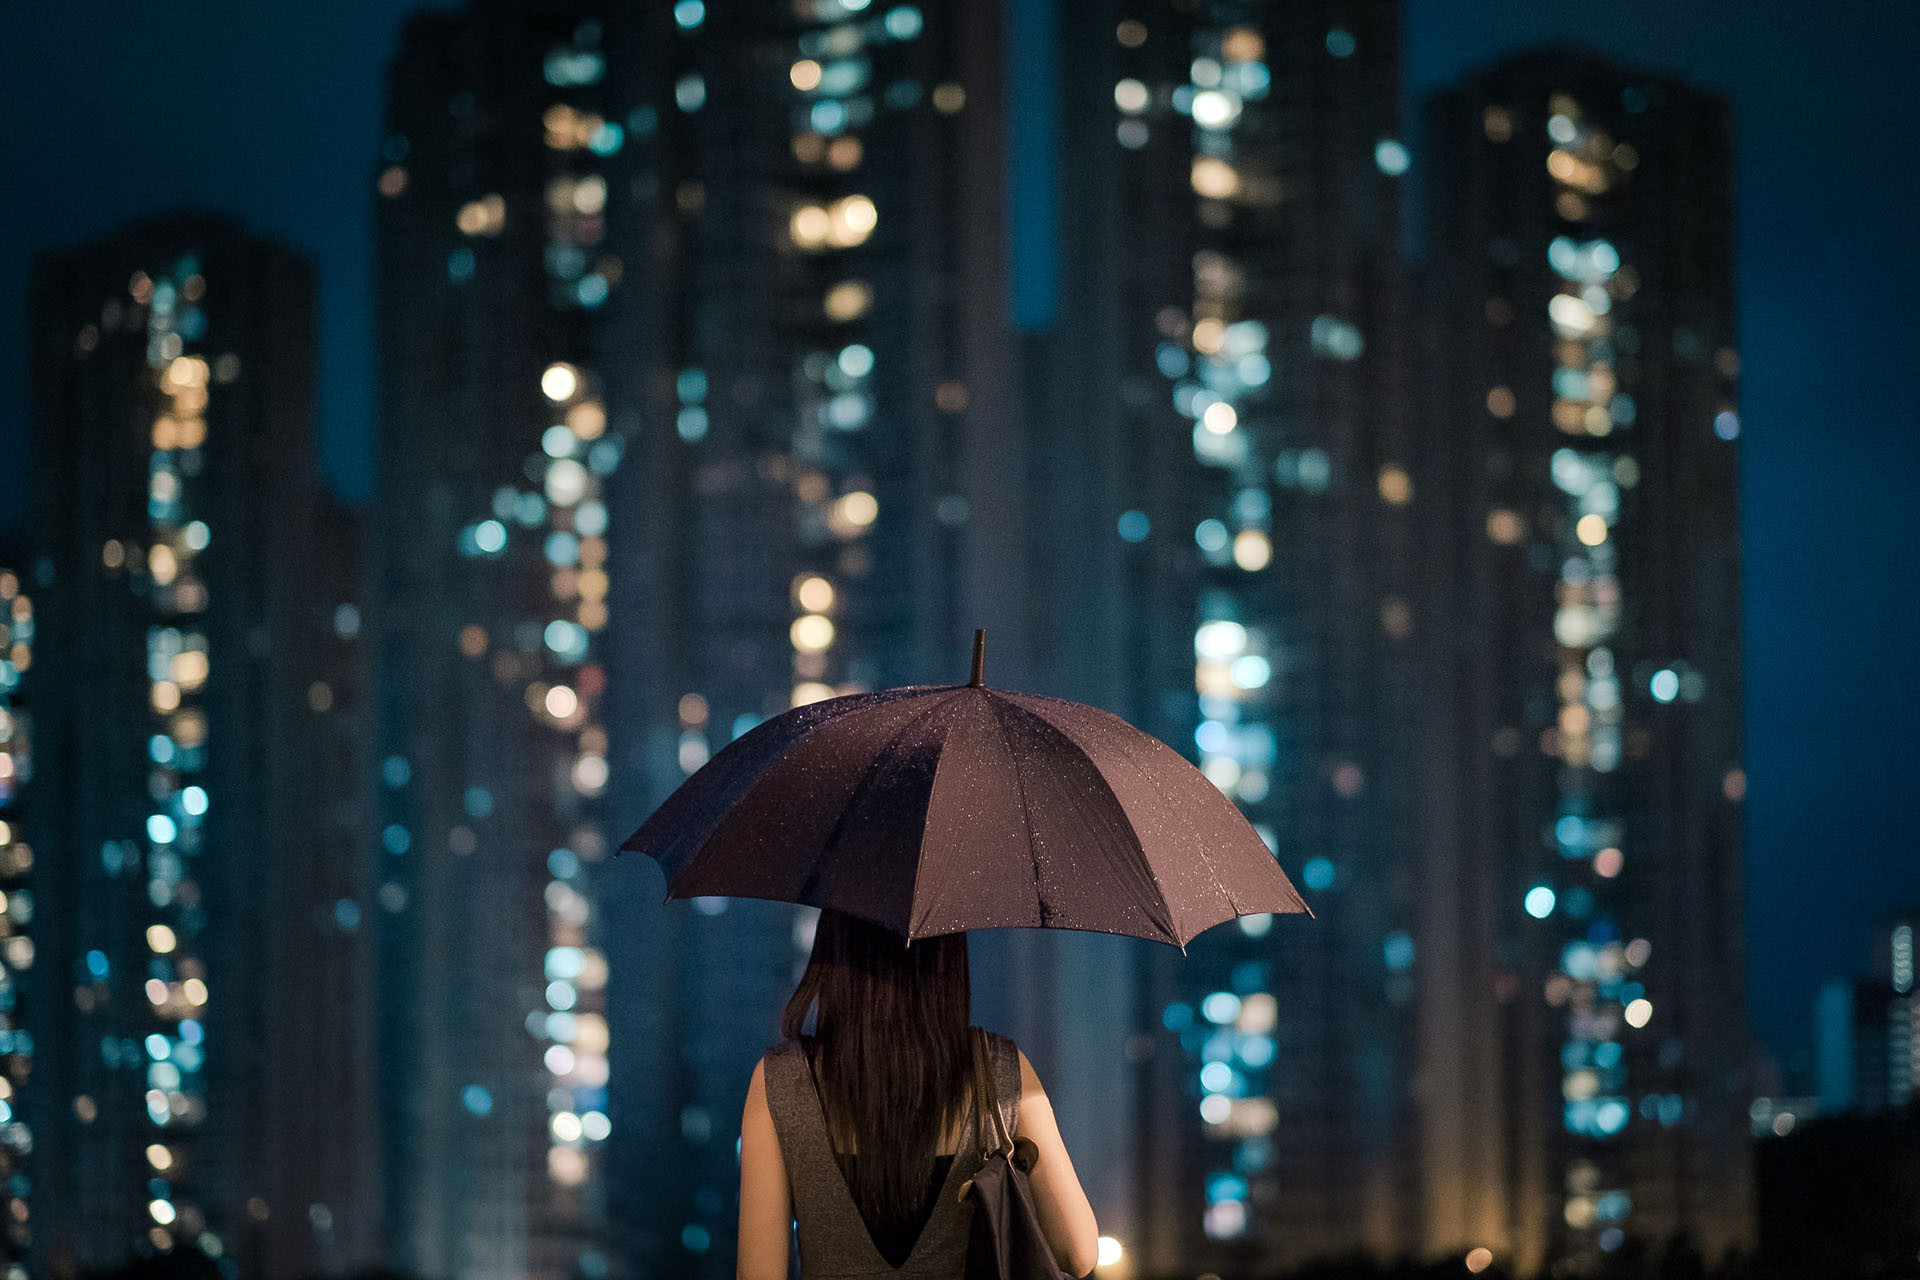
(1399, 423)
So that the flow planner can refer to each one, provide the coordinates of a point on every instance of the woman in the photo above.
(864, 1130)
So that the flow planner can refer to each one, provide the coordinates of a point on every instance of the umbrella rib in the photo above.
(1026, 813)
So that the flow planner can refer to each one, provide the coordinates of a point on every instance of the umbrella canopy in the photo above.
(937, 809)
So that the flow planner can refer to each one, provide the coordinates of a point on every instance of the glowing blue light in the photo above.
(477, 1099)
(479, 802)
(1254, 370)
(1176, 1017)
(561, 995)
(1220, 1008)
(157, 1047)
(395, 771)
(97, 965)
(194, 800)
(1726, 424)
(191, 1031)
(160, 748)
(607, 139)
(1225, 1186)
(1340, 43)
(744, 722)
(828, 116)
(160, 829)
(1211, 536)
(904, 23)
(592, 290)
(567, 639)
(1539, 902)
(1216, 1077)
(690, 92)
(1398, 950)
(695, 1238)
(689, 14)
(490, 536)
(1611, 1116)
(346, 914)
(1256, 1051)
(563, 864)
(691, 385)
(856, 361)
(1251, 672)
(1317, 874)
(565, 963)
(691, 424)
(396, 838)
(1134, 526)
(1390, 157)
(460, 264)
(1606, 1054)
(1664, 686)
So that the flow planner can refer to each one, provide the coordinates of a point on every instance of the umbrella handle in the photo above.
(979, 676)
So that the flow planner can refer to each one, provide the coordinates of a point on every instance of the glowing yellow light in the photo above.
(566, 1166)
(1501, 402)
(1219, 418)
(587, 420)
(159, 1157)
(187, 371)
(590, 774)
(1132, 33)
(1110, 1251)
(1592, 529)
(560, 382)
(949, 98)
(165, 695)
(160, 939)
(1252, 550)
(320, 696)
(1479, 1260)
(811, 691)
(1208, 334)
(562, 702)
(848, 300)
(805, 75)
(1639, 1013)
(162, 1211)
(811, 633)
(815, 594)
(853, 219)
(859, 508)
(1214, 178)
(809, 226)
(1396, 486)
(845, 153)
(195, 991)
(1505, 527)
(189, 669)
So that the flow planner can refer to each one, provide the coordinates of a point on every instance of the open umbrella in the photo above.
(936, 809)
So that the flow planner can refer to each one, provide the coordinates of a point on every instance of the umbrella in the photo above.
(937, 809)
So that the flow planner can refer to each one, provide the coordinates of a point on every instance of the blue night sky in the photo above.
(272, 112)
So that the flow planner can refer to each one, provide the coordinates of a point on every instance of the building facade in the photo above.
(194, 960)
(1222, 477)
(16, 863)
(1580, 973)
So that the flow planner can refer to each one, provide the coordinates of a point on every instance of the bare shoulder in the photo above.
(1030, 1086)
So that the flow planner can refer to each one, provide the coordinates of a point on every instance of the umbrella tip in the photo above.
(979, 676)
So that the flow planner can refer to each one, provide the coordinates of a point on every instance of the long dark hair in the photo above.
(891, 1052)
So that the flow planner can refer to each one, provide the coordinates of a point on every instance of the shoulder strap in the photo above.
(986, 1103)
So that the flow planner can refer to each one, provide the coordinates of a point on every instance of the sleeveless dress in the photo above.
(835, 1243)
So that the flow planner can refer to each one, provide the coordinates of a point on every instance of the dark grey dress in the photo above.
(834, 1241)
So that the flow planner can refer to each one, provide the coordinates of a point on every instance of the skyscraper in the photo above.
(733, 247)
(16, 944)
(1583, 1026)
(1226, 488)
(186, 978)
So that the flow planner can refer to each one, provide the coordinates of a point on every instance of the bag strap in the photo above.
(995, 1138)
